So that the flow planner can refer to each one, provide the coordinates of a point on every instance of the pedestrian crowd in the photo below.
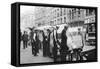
(60, 47)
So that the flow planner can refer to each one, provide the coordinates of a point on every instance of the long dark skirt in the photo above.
(46, 48)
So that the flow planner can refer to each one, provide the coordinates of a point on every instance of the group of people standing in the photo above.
(49, 43)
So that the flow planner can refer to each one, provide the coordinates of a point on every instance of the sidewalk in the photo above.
(27, 57)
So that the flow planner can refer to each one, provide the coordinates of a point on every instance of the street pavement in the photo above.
(27, 57)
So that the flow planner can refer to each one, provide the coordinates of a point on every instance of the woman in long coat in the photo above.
(64, 47)
(44, 44)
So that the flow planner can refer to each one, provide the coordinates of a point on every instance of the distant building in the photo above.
(90, 16)
(59, 16)
(27, 20)
(51, 16)
(77, 17)
(40, 16)
(55, 16)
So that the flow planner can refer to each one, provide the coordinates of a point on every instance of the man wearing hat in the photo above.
(64, 47)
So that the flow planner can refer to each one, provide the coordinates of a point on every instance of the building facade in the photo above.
(39, 16)
(90, 23)
(55, 16)
(77, 17)
(51, 16)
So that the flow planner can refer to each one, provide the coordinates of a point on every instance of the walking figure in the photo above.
(25, 39)
(55, 40)
(64, 47)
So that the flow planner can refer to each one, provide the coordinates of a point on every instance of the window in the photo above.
(64, 11)
(64, 19)
(57, 14)
(60, 11)
(61, 20)
(57, 21)
(72, 14)
(79, 13)
(87, 12)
